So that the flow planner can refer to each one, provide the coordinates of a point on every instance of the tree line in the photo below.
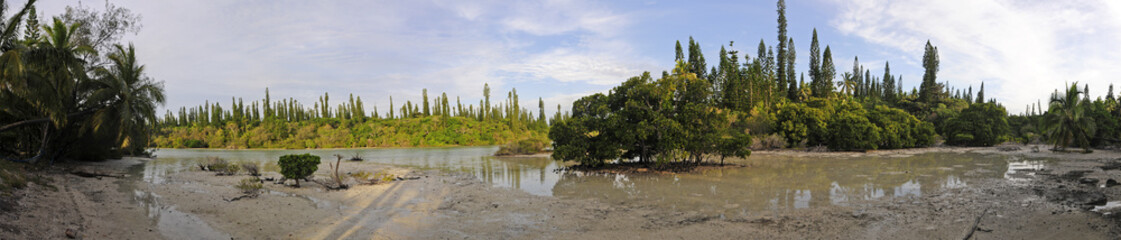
(697, 112)
(288, 123)
(70, 89)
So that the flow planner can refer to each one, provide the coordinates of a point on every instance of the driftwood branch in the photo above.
(252, 195)
(85, 174)
(973, 228)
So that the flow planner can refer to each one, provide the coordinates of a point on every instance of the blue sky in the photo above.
(561, 50)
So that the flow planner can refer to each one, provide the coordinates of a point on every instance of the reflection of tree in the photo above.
(781, 182)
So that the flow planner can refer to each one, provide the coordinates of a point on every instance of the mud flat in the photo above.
(1070, 197)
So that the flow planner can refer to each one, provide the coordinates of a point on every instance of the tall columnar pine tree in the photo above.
(679, 55)
(824, 87)
(889, 84)
(485, 108)
(696, 59)
(791, 76)
(981, 94)
(780, 56)
(815, 63)
(928, 90)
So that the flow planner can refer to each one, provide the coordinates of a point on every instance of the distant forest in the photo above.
(287, 123)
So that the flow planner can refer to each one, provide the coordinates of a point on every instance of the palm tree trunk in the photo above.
(43, 120)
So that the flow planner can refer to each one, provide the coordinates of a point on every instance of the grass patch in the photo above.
(221, 166)
(250, 185)
(372, 178)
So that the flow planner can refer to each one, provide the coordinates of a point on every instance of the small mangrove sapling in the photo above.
(299, 166)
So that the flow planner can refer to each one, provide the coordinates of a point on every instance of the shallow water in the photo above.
(767, 183)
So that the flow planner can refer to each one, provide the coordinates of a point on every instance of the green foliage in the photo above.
(981, 124)
(1067, 121)
(799, 123)
(70, 91)
(585, 137)
(333, 133)
(929, 90)
(523, 147)
(288, 124)
(1107, 129)
(250, 185)
(671, 119)
(297, 167)
(381, 177)
(851, 130)
(900, 129)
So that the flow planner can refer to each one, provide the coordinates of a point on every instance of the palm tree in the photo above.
(12, 83)
(130, 99)
(1067, 122)
(846, 84)
(50, 77)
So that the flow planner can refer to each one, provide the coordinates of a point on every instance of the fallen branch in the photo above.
(972, 229)
(85, 174)
(45, 120)
(252, 195)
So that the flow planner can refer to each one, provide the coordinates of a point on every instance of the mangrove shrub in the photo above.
(297, 167)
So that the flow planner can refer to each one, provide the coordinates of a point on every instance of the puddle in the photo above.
(172, 223)
(1108, 208)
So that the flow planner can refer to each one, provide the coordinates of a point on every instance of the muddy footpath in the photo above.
(1074, 197)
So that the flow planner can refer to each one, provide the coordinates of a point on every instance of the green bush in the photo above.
(979, 125)
(900, 129)
(852, 131)
(297, 167)
(798, 122)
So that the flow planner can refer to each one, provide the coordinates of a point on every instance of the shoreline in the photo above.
(462, 206)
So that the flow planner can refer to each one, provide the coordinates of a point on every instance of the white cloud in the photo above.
(567, 65)
(1022, 50)
(211, 50)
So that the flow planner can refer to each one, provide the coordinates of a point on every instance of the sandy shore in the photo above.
(442, 205)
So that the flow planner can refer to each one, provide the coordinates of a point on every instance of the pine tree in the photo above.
(815, 62)
(981, 94)
(1109, 95)
(540, 111)
(828, 71)
(485, 108)
(679, 55)
(31, 29)
(696, 59)
(780, 57)
(889, 84)
(791, 76)
(445, 110)
(424, 96)
(928, 90)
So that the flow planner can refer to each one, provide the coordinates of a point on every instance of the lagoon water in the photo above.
(767, 183)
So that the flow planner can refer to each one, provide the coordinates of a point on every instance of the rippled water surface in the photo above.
(767, 183)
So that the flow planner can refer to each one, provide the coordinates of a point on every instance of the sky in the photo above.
(212, 50)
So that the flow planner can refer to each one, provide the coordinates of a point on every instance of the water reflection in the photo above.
(777, 183)
(767, 183)
(534, 175)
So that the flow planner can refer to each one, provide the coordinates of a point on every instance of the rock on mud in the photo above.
(1075, 197)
